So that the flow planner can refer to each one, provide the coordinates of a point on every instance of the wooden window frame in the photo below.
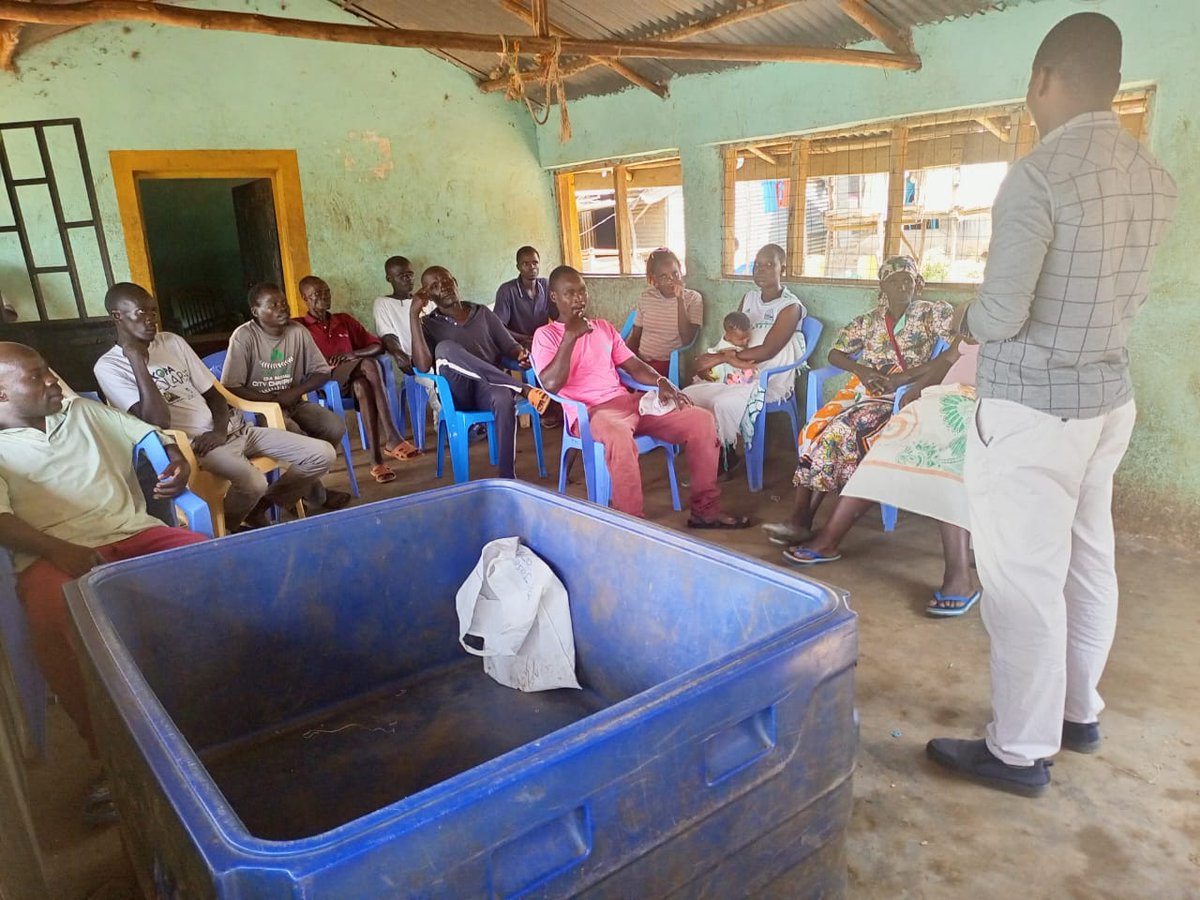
(1010, 121)
(568, 215)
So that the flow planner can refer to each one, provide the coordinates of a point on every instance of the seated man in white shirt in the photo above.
(392, 323)
(160, 379)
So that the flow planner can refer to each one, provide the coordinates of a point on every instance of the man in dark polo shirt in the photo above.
(523, 304)
(465, 343)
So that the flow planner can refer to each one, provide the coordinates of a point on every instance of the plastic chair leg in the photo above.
(754, 466)
(537, 446)
(460, 458)
(889, 514)
(349, 455)
(670, 451)
(493, 446)
(418, 400)
(441, 448)
(362, 430)
(562, 466)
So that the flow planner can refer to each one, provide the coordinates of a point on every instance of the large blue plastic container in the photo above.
(287, 713)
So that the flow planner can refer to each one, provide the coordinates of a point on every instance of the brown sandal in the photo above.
(539, 400)
(403, 452)
(382, 473)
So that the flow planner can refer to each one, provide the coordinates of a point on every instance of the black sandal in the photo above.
(731, 523)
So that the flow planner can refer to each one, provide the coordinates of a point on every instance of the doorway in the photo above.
(209, 240)
(201, 226)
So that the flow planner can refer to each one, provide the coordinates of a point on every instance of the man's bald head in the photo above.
(124, 290)
(17, 355)
(1084, 52)
(29, 391)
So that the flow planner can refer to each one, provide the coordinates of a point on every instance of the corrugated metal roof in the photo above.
(803, 22)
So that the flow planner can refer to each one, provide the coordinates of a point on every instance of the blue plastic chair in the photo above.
(816, 391)
(595, 469)
(15, 640)
(811, 329)
(409, 392)
(329, 396)
(673, 363)
(454, 427)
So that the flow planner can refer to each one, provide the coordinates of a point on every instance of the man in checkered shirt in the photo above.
(1074, 231)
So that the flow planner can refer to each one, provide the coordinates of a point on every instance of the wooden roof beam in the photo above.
(762, 7)
(530, 15)
(898, 40)
(93, 11)
(10, 36)
(999, 133)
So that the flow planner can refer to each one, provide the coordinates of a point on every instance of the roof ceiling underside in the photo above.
(817, 23)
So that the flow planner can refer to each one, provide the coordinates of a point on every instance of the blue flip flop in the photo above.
(803, 556)
(963, 604)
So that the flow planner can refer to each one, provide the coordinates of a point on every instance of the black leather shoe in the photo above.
(975, 761)
(1082, 738)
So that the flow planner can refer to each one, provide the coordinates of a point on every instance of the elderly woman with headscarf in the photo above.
(883, 349)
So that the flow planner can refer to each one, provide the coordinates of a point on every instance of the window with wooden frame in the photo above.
(922, 186)
(614, 215)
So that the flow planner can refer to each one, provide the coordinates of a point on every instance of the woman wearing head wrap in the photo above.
(883, 349)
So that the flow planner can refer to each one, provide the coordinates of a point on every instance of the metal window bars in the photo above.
(51, 184)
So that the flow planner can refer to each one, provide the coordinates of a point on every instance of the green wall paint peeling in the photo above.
(967, 62)
(399, 152)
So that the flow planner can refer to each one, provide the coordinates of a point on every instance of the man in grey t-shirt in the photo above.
(1074, 230)
(160, 379)
(273, 359)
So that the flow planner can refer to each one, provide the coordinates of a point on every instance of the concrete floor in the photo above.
(1124, 823)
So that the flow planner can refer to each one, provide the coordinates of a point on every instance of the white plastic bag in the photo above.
(517, 605)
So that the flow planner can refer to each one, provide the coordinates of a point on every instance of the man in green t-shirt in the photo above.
(273, 359)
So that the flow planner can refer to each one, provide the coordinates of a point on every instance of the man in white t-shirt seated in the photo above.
(392, 322)
(160, 379)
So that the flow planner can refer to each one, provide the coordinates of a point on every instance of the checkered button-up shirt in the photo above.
(1074, 231)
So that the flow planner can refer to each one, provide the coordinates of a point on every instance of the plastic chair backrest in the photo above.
(215, 363)
(627, 328)
(811, 327)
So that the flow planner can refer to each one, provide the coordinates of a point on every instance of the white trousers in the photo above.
(1040, 494)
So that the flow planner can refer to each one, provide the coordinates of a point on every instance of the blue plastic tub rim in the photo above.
(170, 753)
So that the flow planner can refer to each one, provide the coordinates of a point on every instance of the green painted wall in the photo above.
(398, 151)
(973, 61)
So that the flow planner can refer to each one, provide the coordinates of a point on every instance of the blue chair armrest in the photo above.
(766, 374)
(196, 510)
(630, 382)
(816, 385)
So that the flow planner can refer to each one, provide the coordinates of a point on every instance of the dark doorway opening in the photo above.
(209, 239)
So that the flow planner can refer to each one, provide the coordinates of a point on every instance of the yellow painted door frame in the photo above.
(280, 166)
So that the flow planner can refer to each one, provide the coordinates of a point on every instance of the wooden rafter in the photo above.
(762, 154)
(10, 36)
(995, 129)
(529, 14)
(898, 40)
(94, 11)
(689, 31)
(539, 17)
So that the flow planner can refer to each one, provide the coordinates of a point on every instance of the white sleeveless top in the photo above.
(762, 315)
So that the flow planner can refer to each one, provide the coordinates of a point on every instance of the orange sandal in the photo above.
(539, 399)
(402, 452)
(382, 473)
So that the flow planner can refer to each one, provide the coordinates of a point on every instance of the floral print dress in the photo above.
(841, 432)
